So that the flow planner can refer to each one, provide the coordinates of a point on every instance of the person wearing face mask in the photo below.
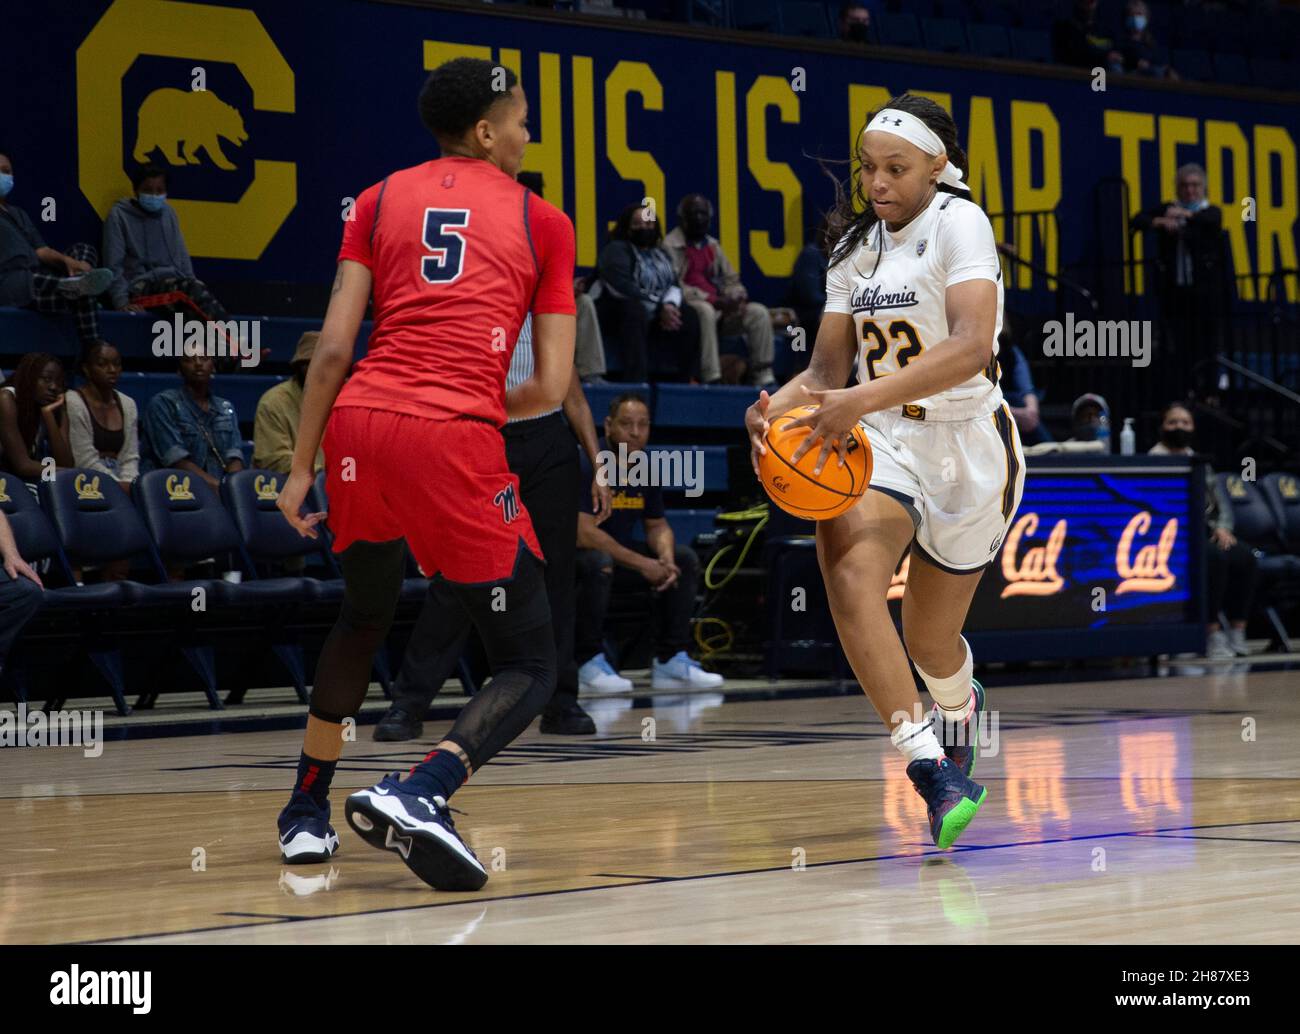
(1231, 567)
(855, 23)
(1191, 264)
(1142, 55)
(639, 299)
(1090, 419)
(145, 249)
(34, 275)
(1078, 41)
(713, 289)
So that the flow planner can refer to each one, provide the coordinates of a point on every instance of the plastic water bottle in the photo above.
(1128, 438)
(1103, 432)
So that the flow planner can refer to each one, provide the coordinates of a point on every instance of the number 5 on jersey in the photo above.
(902, 335)
(448, 246)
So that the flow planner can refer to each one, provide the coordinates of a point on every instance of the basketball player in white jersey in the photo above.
(914, 295)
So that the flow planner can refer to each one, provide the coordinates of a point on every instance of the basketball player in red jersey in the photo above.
(455, 253)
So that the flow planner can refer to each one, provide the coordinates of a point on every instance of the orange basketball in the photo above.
(796, 489)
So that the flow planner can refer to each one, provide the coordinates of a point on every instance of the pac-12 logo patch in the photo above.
(509, 503)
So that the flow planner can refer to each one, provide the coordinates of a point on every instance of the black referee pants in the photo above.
(543, 454)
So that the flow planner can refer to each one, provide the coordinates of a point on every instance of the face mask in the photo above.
(1178, 438)
(643, 238)
(1137, 22)
(153, 202)
(6, 183)
(1194, 206)
(857, 32)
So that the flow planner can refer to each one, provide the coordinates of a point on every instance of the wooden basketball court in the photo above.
(1132, 811)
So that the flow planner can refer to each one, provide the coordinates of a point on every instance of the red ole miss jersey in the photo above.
(459, 253)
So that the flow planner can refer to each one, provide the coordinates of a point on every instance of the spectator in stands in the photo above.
(1192, 268)
(34, 418)
(855, 23)
(611, 560)
(1078, 41)
(588, 346)
(190, 428)
(1231, 567)
(20, 591)
(1090, 420)
(103, 426)
(807, 294)
(712, 287)
(639, 299)
(1142, 55)
(1017, 385)
(35, 276)
(144, 247)
(275, 427)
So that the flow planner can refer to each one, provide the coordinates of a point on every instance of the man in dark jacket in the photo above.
(144, 247)
(1192, 268)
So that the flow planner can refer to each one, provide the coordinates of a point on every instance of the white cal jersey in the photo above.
(898, 304)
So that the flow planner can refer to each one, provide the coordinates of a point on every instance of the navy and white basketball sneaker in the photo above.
(305, 832)
(951, 799)
(419, 828)
(960, 740)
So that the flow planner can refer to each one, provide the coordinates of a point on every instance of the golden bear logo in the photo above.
(1236, 488)
(178, 488)
(180, 123)
(266, 488)
(4, 491)
(188, 33)
(87, 488)
(1289, 488)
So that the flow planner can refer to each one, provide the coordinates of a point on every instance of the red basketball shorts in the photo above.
(443, 485)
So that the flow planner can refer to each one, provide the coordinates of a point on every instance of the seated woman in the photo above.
(103, 428)
(1231, 567)
(639, 301)
(33, 418)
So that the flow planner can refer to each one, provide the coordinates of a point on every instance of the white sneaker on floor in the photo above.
(599, 676)
(1217, 647)
(682, 672)
(1237, 641)
(1178, 665)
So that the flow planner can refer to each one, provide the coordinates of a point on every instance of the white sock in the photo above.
(953, 694)
(917, 740)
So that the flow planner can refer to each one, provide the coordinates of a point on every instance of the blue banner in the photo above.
(271, 116)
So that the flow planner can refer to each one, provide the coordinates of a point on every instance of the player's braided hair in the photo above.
(852, 216)
(459, 93)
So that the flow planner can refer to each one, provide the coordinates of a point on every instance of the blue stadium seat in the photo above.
(601, 396)
(989, 40)
(1031, 45)
(1192, 64)
(1273, 74)
(1282, 491)
(693, 405)
(715, 463)
(1260, 524)
(189, 524)
(1232, 68)
(250, 497)
(899, 30)
(688, 524)
(801, 18)
(759, 15)
(946, 35)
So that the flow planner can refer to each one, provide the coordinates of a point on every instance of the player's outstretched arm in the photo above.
(329, 367)
(553, 338)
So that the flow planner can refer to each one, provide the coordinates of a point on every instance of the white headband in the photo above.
(914, 131)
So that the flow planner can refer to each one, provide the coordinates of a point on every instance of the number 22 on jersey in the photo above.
(876, 343)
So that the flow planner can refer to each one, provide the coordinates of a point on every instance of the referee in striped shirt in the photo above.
(542, 452)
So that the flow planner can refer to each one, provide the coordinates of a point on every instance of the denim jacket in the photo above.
(178, 429)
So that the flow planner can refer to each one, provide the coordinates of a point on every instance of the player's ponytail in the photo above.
(852, 217)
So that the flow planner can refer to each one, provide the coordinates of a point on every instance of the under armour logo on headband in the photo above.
(895, 121)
